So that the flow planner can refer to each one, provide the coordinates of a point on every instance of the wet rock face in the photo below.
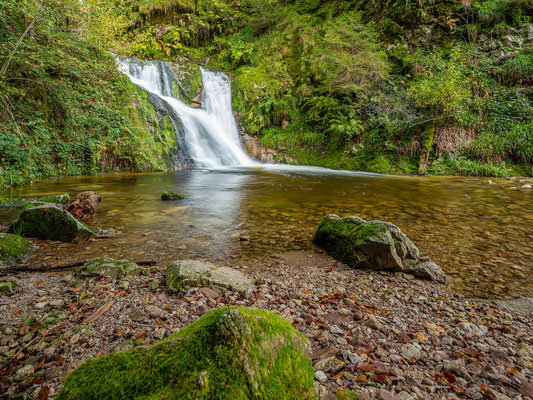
(49, 222)
(228, 353)
(193, 272)
(84, 205)
(375, 245)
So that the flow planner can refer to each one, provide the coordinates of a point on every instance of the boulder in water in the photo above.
(375, 245)
(229, 353)
(192, 272)
(13, 249)
(168, 196)
(49, 222)
(84, 205)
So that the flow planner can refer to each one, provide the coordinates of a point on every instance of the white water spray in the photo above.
(211, 134)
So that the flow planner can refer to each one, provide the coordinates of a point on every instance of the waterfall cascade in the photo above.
(210, 134)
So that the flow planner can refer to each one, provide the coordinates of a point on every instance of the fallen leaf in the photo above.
(39, 364)
(420, 338)
(335, 377)
(43, 393)
(448, 375)
(139, 335)
(98, 313)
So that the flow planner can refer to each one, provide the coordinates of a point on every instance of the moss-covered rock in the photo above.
(374, 244)
(62, 198)
(167, 196)
(192, 272)
(229, 353)
(49, 222)
(108, 267)
(13, 249)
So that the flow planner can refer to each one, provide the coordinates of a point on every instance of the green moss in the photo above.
(347, 395)
(167, 196)
(13, 248)
(229, 353)
(62, 198)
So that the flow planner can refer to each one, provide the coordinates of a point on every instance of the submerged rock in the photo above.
(84, 205)
(13, 249)
(375, 245)
(228, 353)
(171, 196)
(192, 272)
(108, 267)
(49, 222)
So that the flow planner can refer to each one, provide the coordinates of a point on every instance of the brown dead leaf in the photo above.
(139, 335)
(448, 375)
(335, 377)
(98, 313)
(421, 338)
(40, 364)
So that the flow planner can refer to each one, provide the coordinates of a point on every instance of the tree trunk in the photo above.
(427, 145)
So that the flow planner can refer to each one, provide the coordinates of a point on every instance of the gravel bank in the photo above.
(384, 336)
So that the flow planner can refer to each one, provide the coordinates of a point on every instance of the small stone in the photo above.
(331, 364)
(386, 395)
(154, 285)
(321, 376)
(500, 357)
(404, 396)
(153, 311)
(336, 330)
(373, 323)
(409, 351)
(23, 373)
(40, 305)
(208, 292)
(56, 303)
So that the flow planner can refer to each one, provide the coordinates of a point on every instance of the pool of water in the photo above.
(479, 231)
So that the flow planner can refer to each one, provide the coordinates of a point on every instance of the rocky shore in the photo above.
(375, 334)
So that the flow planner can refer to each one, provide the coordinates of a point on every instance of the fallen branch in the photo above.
(53, 267)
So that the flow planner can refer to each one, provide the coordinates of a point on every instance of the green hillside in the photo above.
(439, 87)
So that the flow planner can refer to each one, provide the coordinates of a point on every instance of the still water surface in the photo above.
(479, 232)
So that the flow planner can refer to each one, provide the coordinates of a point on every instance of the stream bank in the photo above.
(382, 335)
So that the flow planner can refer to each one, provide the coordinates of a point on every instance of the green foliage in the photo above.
(67, 110)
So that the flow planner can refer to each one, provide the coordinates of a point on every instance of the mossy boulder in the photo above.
(13, 249)
(167, 196)
(198, 273)
(229, 353)
(62, 198)
(49, 222)
(108, 267)
(375, 245)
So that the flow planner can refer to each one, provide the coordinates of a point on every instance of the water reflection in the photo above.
(469, 227)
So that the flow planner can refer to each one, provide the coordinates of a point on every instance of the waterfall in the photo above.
(210, 134)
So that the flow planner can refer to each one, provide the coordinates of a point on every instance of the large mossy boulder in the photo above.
(50, 222)
(192, 272)
(229, 353)
(375, 245)
(108, 267)
(13, 249)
